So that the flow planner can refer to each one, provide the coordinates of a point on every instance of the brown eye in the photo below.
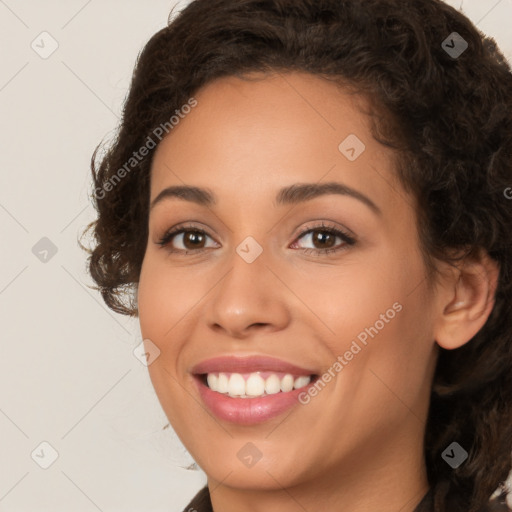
(185, 240)
(193, 239)
(323, 238)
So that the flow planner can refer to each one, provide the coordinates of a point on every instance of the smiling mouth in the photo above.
(255, 384)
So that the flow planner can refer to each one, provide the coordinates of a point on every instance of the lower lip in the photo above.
(247, 411)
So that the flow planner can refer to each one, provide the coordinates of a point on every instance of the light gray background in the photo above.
(68, 375)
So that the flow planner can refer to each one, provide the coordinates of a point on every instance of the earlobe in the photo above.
(466, 302)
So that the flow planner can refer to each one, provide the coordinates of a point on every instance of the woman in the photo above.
(308, 208)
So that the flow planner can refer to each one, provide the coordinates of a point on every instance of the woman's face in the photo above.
(272, 296)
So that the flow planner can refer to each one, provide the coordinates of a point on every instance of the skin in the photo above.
(359, 442)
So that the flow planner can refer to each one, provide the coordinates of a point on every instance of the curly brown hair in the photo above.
(449, 118)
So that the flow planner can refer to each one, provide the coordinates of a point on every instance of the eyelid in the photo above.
(328, 226)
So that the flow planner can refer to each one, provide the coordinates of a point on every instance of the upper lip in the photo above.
(247, 364)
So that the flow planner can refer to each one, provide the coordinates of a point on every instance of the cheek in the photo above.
(160, 307)
(159, 313)
(166, 294)
(352, 297)
(151, 301)
(376, 316)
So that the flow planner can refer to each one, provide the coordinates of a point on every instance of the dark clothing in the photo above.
(202, 503)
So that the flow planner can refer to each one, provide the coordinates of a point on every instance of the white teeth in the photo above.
(222, 383)
(272, 385)
(235, 385)
(287, 383)
(212, 380)
(255, 385)
(300, 382)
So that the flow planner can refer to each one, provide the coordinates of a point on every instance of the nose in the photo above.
(248, 299)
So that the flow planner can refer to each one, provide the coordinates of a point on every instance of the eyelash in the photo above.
(347, 239)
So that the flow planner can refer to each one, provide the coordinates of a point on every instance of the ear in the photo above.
(465, 301)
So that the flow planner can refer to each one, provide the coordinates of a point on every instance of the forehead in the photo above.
(250, 137)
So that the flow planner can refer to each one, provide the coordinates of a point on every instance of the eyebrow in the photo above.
(293, 194)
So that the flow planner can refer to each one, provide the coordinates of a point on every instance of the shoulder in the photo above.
(499, 505)
(201, 502)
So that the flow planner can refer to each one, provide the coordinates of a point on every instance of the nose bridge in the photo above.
(248, 293)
